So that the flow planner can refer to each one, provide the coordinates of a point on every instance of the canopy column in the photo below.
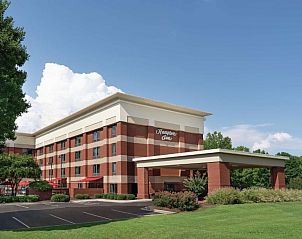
(218, 176)
(143, 183)
(278, 177)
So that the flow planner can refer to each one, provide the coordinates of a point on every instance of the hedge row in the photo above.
(82, 196)
(184, 201)
(115, 196)
(253, 195)
(60, 198)
(28, 198)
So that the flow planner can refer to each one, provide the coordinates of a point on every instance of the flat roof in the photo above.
(194, 159)
(115, 97)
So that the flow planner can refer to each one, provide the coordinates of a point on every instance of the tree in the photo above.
(16, 167)
(293, 166)
(13, 55)
(217, 141)
(196, 184)
(251, 177)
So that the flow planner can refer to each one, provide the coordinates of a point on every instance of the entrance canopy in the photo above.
(217, 162)
(200, 159)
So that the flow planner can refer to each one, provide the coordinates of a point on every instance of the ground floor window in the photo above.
(80, 185)
(169, 187)
(113, 188)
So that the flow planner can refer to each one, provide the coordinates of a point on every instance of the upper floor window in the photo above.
(50, 160)
(96, 135)
(113, 149)
(40, 151)
(50, 148)
(63, 158)
(77, 171)
(41, 162)
(62, 172)
(113, 131)
(78, 140)
(113, 168)
(96, 152)
(78, 155)
(96, 169)
(63, 145)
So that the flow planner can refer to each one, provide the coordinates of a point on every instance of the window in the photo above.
(113, 131)
(63, 158)
(50, 148)
(63, 145)
(96, 152)
(62, 172)
(113, 188)
(77, 171)
(41, 162)
(114, 168)
(96, 136)
(96, 169)
(80, 185)
(50, 160)
(50, 172)
(40, 151)
(77, 155)
(113, 149)
(169, 187)
(78, 140)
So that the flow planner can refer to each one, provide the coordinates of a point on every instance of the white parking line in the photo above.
(18, 220)
(97, 216)
(129, 213)
(65, 220)
(21, 206)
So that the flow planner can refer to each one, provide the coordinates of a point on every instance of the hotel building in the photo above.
(115, 145)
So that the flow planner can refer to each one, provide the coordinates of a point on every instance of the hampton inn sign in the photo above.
(166, 135)
(128, 144)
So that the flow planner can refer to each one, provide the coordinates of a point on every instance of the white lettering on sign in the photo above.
(166, 135)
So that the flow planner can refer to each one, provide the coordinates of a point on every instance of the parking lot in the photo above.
(45, 214)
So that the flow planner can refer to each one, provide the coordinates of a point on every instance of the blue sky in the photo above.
(240, 60)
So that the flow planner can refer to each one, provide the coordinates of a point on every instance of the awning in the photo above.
(23, 183)
(90, 179)
(54, 184)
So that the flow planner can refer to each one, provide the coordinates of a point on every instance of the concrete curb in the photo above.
(109, 200)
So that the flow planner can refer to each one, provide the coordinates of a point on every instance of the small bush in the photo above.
(224, 196)
(82, 196)
(115, 196)
(184, 201)
(40, 186)
(101, 195)
(130, 196)
(10, 199)
(60, 198)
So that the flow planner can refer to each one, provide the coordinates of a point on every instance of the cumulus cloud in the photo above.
(259, 137)
(60, 93)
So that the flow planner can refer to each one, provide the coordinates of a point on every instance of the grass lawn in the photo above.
(279, 220)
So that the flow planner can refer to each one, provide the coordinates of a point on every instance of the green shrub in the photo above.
(225, 196)
(295, 183)
(100, 195)
(130, 196)
(254, 195)
(184, 201)
(60, 198)
(121, 196)
(197, 184)
(82, 196)
(10, 199)
(40, 186)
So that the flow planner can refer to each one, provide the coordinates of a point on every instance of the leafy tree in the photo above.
(242, 149)
(196, 184)
(293, 166)
(13, 55)
(251, 177)
(16, 167)
(217, 140)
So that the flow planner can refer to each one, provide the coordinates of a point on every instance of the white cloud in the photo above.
(60, 93)
(259, 137)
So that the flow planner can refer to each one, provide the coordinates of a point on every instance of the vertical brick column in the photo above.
(68, 161)
(218, 176)
(150, 141)
(182, 142)
(121, 151)
(278, 177)
(85, 156)
(143, 182)
(105, 154)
